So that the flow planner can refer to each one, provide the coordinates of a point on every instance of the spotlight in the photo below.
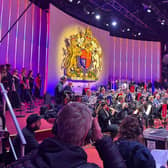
(128, 29)
(139, 34)
(123, 30)
(88, 12)
(78, 2)
(93, 13)
(149, 10)
(114, 23)
(97, 17)
(107, 24)
(70, 0)
(163, 22)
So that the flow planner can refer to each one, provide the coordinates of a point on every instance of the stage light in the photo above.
(107, 24)
(123, 30)
(78, 2)
(163, 22)
(93, 13)
(114, 23)
(70, 0)
(88, 12)
(97, 17)
(139, 34)
(128, 29)
(149, 10)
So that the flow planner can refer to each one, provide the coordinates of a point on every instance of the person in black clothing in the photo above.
(33, 124)
(16, 100)
(72, 126)
(130, 144)
(30, 81)
(23, 85)
(105, 120)
(59, 91)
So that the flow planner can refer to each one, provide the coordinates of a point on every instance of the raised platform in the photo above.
(45, 130)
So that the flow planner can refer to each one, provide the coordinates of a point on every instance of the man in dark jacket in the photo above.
(135, 154)
(33, 124)
(73, 125)
(59, 91)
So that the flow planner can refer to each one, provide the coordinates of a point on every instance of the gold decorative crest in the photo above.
(82, 57)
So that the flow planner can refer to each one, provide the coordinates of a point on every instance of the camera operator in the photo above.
(65, 149)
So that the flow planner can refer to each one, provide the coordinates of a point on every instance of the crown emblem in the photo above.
(82, 57)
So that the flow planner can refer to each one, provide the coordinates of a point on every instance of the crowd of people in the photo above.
(122, 113)
(21, 87)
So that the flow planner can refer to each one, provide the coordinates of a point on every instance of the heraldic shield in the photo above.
(82, 57)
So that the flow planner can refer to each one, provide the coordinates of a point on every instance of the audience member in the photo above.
(33, 124)
(135, 154)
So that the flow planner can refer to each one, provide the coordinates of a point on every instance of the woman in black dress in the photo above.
(16, 101)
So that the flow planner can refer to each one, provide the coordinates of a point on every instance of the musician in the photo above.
(87, 96)
(128, 97)
(101, 94)
(104, 118)
(59, 91)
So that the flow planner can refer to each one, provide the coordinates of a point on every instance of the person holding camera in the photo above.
(64, 150)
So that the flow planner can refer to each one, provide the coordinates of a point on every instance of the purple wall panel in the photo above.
(22, 43)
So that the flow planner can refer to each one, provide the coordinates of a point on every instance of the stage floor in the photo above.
(22, 121)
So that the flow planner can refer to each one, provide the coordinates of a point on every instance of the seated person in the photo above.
(105, 120)
(135, 154)
(65, 150)
(33, 124)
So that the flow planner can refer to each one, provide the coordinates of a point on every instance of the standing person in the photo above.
(33, 124)
(30, 82)
(135, 154)
(15, 90)
(37, 86)
(23, 85)
(59, 91)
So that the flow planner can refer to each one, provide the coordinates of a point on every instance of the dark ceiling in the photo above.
(137, 19)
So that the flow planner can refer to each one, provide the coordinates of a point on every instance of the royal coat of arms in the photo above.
(82, 57)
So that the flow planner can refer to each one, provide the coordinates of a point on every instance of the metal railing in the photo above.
(19, 131)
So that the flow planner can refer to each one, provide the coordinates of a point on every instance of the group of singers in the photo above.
(21, 87)
(112, 106)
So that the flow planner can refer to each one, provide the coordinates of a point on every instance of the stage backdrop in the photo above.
(90, 55)
(26, 44)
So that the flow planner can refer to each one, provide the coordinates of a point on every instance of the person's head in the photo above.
(8, 67)
(3, 68)
(102, 90)
(131, 128)
(30, 74)
(15, 72)
(63, 79)
(158, 96)
(151, 98)
(88, 92)
(23, 71)
(34, 122)
(38, 75)
(73, 123)
(70, 84)
(121, 99)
